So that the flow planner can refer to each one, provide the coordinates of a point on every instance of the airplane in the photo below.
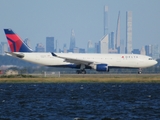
(81, 61)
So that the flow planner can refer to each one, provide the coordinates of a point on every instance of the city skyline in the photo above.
(107, 44)
(39, 19)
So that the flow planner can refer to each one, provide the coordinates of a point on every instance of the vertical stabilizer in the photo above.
(16, 44)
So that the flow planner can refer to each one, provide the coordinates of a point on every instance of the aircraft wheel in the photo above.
(83, 72)
(139, 71)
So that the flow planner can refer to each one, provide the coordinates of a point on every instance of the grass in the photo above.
(90, 78)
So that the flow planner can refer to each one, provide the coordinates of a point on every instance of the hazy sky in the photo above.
(37, 19)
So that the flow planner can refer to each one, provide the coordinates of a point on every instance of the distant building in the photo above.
(56, 46)
(39, 48)
(103, 43)
(129, 32)
(112, 51)
(97, 47)
(148, 50)
(3, 48)
(50, 44)
(122, 47)
(65, 48)
(11, 72)
(143, 52)
(117, 40)
(90, 47)
(72, 41)
(112, 44)
(27, 42)
(155, 51)
(82, 50)
(136, 51)
(106, 20)
(111, 41)
(78, 50)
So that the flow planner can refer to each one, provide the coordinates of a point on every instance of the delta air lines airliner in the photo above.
(80, 61)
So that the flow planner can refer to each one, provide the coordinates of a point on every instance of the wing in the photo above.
(74, 60)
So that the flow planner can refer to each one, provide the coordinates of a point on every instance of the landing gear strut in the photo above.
(81, 72)
(139, 71)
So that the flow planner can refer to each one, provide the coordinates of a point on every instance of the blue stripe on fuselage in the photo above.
(70, 66)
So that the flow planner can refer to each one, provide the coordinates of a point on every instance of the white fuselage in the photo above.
(112, 60)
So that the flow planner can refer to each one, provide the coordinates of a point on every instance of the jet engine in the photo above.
(100, 67)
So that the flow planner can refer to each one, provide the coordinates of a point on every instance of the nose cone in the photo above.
(155, 62)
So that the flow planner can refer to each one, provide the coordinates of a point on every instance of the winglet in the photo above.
(53, 54)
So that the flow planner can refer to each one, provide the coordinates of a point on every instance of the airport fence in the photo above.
(47, 74)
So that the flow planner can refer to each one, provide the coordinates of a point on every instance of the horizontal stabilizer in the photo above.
(19, 55)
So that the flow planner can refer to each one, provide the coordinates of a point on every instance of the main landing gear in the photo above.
(139, 71)
(81, 72)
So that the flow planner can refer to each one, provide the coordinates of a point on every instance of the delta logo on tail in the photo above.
(16, 44)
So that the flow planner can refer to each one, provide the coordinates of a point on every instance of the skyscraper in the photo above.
(137, 51)
(39, 48)
(65, 48)
(117, 41)
(155, 51)
(122, 46)
(103, 43)
(49, 44)
(129, 32)
(143, 52)
(148, 50)
(4, 47)
(97, 47)
(111, 41)
(72, 41)
(90, 47)
(105, 20)
(27, 42)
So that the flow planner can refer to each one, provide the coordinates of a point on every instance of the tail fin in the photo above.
(16, 44)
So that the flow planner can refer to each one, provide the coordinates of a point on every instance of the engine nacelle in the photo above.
(100, 67)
